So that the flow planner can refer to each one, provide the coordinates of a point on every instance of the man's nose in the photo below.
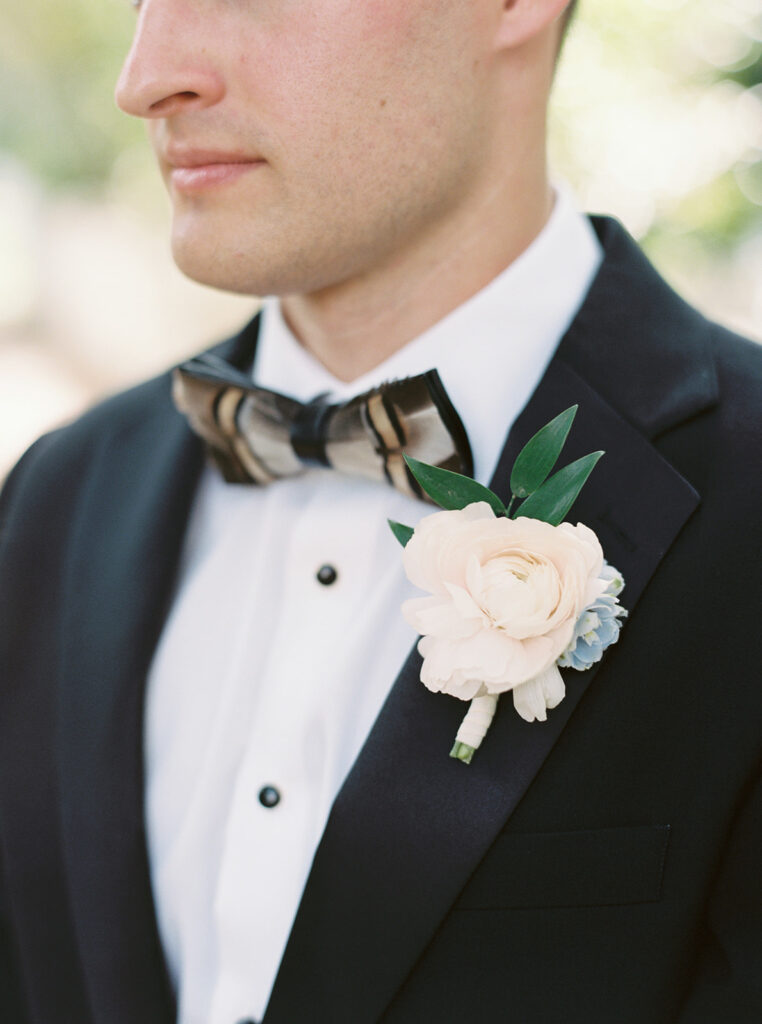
(170, 67)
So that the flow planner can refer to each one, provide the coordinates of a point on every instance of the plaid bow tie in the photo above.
(256, 435)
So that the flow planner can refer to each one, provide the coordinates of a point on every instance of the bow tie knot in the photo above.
(256, 435)
(307, 432)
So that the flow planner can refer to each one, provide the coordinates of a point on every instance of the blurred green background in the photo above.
(657, 119)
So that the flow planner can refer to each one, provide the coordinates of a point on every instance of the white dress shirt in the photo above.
(264, 676)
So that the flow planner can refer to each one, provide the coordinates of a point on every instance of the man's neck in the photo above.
(353, 326)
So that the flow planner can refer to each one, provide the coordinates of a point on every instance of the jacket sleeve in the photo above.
(727, 985)
(11, 998)
(12, 1001)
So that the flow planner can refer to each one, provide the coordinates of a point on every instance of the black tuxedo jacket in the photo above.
(604, 867)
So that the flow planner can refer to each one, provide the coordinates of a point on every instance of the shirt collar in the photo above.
(491, 351)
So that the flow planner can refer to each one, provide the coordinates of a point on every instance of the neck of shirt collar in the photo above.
(490, 352)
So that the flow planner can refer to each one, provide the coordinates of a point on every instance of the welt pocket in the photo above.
(597, 867)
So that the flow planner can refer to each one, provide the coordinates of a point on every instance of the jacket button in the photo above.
(268, 797)
(327, 575)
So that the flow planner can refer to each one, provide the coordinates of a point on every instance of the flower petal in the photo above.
(532, 699)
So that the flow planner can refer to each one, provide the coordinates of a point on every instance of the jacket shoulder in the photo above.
(736, 420)
(129, 418)
(739, 369)
(53, 464)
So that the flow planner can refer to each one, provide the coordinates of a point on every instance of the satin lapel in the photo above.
(410, 824)
(121, 573)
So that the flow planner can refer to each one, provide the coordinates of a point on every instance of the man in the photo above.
(225, 795)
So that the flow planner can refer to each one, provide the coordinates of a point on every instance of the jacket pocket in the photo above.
(570, 869)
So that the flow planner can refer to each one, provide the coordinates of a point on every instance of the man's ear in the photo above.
(521, 20)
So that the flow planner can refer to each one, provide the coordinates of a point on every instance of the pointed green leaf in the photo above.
(452, 490)
(552, 501)
(540, 453)
(401, 532)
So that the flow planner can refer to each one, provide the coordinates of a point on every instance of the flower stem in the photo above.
(462, 752)
(474, 727)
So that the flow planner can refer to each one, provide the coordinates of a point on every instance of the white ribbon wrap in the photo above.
(478, 719)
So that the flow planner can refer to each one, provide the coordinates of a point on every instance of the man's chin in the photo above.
(253, 260)
(258, 271)
(229, 271)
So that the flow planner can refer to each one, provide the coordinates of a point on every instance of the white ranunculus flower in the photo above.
(505, 597)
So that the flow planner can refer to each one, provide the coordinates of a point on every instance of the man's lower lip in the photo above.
(194, 179)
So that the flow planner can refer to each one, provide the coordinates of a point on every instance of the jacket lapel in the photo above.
(410, 824)
(120, 576)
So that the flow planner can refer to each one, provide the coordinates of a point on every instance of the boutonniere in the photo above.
(515, 592)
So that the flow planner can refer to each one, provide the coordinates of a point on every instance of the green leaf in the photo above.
(401, 532)
(452, 490)
(540, 453)
(553, 500)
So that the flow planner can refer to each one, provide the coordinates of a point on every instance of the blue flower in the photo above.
(597, 627)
